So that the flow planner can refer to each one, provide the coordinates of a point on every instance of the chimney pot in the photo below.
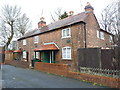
(42, 23)
(89, 8)
(71, 13)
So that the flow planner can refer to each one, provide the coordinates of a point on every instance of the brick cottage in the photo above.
(59, 41)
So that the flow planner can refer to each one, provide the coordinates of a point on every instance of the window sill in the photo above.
(24, 60)
(102, 39)
(66, 37)
(67, 59)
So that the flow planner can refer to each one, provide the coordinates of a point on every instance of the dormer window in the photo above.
(36, 39)
(66, 33)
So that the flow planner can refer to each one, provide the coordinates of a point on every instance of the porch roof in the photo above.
(47, 47)
(17, 51)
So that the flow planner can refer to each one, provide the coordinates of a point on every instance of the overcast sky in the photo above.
(33, 8)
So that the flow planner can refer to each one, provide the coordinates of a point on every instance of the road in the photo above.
(14, 77)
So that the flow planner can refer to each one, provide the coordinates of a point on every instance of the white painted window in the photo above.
(66, 33)
(36, 38)
(110, 38)
(98, 34)
(24, 42)
(102, 35)
(24, 54)
(37, 55)
(66, 53)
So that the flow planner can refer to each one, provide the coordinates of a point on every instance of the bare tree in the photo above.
(11, 20)
(110, 21)
(56, 14)
(23, 25)
(59, 14)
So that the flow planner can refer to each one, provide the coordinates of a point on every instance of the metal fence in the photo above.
(101, 72)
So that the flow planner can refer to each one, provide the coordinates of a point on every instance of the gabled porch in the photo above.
(47, 53)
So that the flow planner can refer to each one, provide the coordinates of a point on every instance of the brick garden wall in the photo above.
(106, 81)
(62, 69)
(7, 61)
(22, 64)
(59, 69)
(8, 55)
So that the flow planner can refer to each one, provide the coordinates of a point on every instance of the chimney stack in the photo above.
(42, 23)
(89, 8)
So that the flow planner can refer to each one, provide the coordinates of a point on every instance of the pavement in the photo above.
(14, 77)
(0, 77)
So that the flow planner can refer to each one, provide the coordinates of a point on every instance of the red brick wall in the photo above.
(59, 69)
(8, 57)
(106, 81)
(21, 64)
(7, 62)
(92, 26)
(62, 69)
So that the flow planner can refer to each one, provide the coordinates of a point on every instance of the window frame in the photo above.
(64, 33)
(66, 53)
(37, 55)
(36, 39)
(24, 56)
(24, 42)
(102, 35)
(110, 38)
(98, 34)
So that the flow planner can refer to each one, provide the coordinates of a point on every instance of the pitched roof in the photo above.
(81, 17)
(57, 24)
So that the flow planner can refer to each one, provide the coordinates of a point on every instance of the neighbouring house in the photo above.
(59, 41)
(2, 54)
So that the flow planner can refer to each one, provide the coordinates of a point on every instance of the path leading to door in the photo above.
(14, 77)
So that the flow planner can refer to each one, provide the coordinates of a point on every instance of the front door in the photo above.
(48, 56)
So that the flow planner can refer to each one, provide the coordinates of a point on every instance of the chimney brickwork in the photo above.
(42, 23)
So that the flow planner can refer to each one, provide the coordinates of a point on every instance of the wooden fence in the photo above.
(98, 58)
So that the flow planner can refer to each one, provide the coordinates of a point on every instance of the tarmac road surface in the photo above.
(14, 77)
